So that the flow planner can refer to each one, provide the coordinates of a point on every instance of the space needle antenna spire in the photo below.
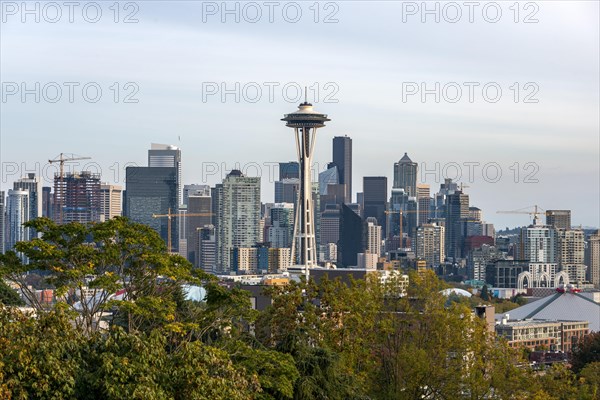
(305, 122)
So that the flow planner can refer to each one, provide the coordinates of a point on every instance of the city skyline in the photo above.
(559, 134)
(300, 199)
(272, 175)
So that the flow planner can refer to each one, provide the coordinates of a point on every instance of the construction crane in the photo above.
(401, 213)
(62, 159)
(537, 210)
(170, 216)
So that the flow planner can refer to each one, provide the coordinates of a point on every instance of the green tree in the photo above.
(590, 379)
(300, 323)
(586, 352)
(485, 295)
(39, 357)
(9, 296)
(87, 264)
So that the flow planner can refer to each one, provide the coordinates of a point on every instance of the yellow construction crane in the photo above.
(537, 210)
(170, 216)
(61, 159)
(401, 213)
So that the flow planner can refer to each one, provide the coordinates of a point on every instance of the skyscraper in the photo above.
(167, 156)
(289, 170)
(439, 200)
(47, 202)
(33, 185)
(475, 214)
(405, 175)
(375, 195)
(538, 244)
(111, 201)
(429, 244)
(594, 249)
(77, 197)
(330, 225)
(2, 222)
(457, 210)
(328, 177)
(352, 237)
(571, 253)
(373, 245)
(207, 249)
(152, 190)
(560, 219)
(280, 233)
(342, 159)
(198, 203)
(423, 203)
(238, 214)
(195, 190)
(17, 213)
(286, 190)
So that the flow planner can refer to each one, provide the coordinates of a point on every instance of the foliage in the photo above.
(586, 352)
(8, 296)
(38, 356)
(87, 264)
(361, 339)
(485, 295)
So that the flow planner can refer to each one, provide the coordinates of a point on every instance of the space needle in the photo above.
(305, 123)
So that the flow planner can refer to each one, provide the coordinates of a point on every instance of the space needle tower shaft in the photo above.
(305, 123)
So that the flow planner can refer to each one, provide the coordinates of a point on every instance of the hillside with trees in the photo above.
(363, 340)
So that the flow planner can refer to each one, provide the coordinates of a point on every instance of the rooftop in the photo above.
(566, 306)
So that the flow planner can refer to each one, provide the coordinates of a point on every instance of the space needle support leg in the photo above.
(298, 208)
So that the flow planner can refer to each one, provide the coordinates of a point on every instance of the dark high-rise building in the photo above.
(47, 202)
(195, 189)
(289, 170)
(77, 197)
(560, 219)
(405, 175)
(335, 196)
(152, 190)
(342, 159)
(167, 156)
(330, 224)
(439, 199)
(375, 196)
(352, 237)
(197, 204)
(457, 210)
(286, 190)
(207, 248)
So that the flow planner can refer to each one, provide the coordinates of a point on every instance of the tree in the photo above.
(88, 264)
(9, 296)
(590, 379)
(39, 357)
(485, 295)
(586, 352)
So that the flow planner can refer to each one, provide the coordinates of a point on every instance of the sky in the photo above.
(502, 97)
